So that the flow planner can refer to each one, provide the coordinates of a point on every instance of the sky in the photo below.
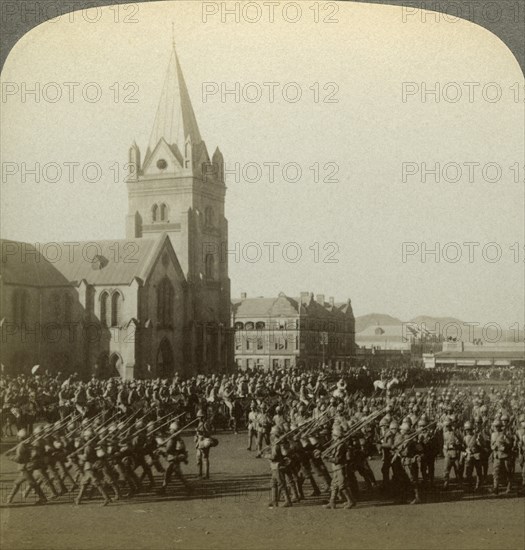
(365, 210)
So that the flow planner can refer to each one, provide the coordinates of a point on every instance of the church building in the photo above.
(150, 305)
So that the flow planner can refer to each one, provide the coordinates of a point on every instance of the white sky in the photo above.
(369, 133)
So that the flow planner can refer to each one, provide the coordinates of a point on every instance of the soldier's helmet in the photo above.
(277, 410)
(448, 422)
(467, 425)
(87, 434)
(383, 421)
(422, 422)
(174, 426)
(394, 425)
(275, 431)
(497, 423)
(200, 414)
(150, 427)
(336, 431)
(504, 418)
(405, 427)
(85, 422)
(37, 430)
(139, 424)
(57, 424)
(22, 434)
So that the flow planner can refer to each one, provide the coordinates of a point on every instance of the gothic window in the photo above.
(20, 306)
(55, 306)
(116, 309)
(165, 295)
(209, 266)
(163, 212)
(68, 308)
(154, 213)
(104, 309)
(208, 216)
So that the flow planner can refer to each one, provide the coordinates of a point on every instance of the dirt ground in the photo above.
(230, 511)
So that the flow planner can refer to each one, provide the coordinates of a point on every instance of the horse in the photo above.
(382, 385)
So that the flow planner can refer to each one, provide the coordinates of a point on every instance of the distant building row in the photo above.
(289, 332)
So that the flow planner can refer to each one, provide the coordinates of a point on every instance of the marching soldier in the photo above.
(22, 456)
(338, 458)
(91, 470)
(278, 462)
(452, 446)
(472, 456)
(176, 455)
(501, 445)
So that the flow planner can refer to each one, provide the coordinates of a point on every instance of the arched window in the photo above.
(259, 325)
(55, 306)
(20, 306)
(104, 298)
(154, 212)
(249, 325)
(209, 266)
(116, 307)
(68, 308)
(208, 216)
(239, 326)
(163, 212)
(165, 296)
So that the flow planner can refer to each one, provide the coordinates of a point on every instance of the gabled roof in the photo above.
(111, 262)
(283, 305)
(265, 307)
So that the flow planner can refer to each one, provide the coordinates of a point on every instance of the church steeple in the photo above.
(175, 119)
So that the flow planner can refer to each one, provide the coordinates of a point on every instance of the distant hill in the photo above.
(364, 321)
(372, 319)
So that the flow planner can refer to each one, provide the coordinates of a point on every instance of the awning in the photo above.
(445, 361)
(484, 363)
(466, 363)
(502, 363)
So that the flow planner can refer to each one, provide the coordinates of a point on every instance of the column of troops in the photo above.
(116, 436)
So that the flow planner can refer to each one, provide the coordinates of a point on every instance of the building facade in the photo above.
(155, 303)
(287, 332)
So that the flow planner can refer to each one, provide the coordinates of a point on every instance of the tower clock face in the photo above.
(162, 164)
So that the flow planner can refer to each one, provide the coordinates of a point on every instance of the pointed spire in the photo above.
(175, 119)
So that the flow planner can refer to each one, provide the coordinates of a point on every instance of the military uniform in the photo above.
(501, 445)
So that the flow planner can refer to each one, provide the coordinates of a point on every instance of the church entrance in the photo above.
(165, 366)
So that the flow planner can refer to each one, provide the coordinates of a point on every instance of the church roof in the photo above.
(111, 262)
(175, 119)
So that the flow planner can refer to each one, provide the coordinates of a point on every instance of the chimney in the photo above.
(320, 299)
(243, 295)
(331, 300)
(305, 298)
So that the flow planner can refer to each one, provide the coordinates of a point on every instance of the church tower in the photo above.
(178, 190)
